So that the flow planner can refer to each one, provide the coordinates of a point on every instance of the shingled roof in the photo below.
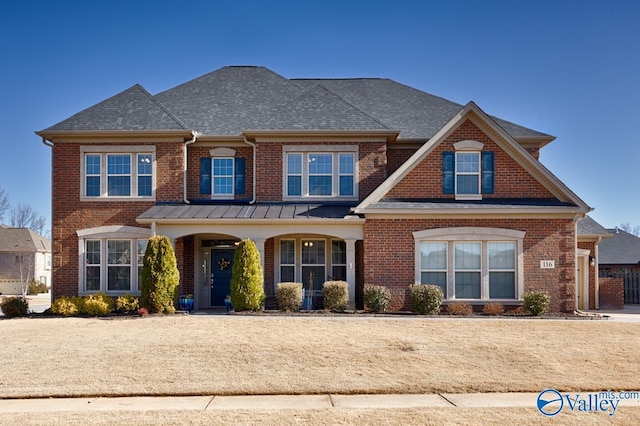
(622, 248)
(233, 99)
(22, 240)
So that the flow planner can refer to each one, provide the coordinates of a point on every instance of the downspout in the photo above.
(194, 136)
(253, 200)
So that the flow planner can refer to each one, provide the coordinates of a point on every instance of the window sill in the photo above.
(118, 199)
(468, 197)
(319, 198)
(483, 301)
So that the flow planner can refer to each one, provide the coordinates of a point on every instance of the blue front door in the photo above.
(221, 265)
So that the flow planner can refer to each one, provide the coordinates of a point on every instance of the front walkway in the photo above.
(630, 313)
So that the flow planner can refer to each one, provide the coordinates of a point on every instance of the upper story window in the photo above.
(222, 175)
(321, 171)
(467, 172)
(118, 172)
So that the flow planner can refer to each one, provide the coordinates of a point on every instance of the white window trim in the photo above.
(305, 150)
(468, 147)
(104, 151)
(104, 233)
(223, 196)
(472, 234)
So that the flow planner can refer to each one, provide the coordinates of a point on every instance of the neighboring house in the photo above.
(24, 255)
(364, 180)
(620, 259)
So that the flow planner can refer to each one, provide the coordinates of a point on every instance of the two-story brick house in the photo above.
(365, 180)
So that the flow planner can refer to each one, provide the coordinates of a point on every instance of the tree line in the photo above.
(21, 215)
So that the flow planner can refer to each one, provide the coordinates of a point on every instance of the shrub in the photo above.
(493, 309)
(127, 304)
(426, 298)
(67, 306)
(536, 302)
(289, 296)
(376, 298)
(98, 304)
(142, 312)
(160, 276)
(460, 308)
(247, 292)
(13, 307)
(36, 287)
(335, 295)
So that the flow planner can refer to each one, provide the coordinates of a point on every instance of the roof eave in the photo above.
(266, 135)
(87, 136)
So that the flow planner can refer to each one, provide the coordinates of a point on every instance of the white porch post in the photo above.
(351, 271)
(260, 245)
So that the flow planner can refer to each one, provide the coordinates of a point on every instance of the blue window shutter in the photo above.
(240, 175)
(448, 172)
(487, 172)
(205, 175)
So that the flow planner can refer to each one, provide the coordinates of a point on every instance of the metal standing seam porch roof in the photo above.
(181, 212)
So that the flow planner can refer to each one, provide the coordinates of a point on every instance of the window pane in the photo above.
(294, 164)
(119, 164)
(338, 252)
(92, 163)
(223, 166)
(319, 185)
(502, 285)
(467, 285)
(119, 278)
(287, 252)
(119, 252)
(467, 162)
(313, 252)
(222, 185)
(294, 185)
(93, 252)
(93, 278)
(320, 164)
(287, 274)
(144, 164)
(119, 186)
(142, 248)
(434, 255)
(346, 185)
(92, 166)
(502, 255)
(346, 164)
(339, 273)
(144, 186)
(467, 255)
(93, 186)
(435, 278)
(467, 184)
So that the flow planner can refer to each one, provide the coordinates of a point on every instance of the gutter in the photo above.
(253, 200)
(194, 136)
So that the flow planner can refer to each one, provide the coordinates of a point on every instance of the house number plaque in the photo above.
(547, 264)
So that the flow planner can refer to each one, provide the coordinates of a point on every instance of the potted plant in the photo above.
(227, 303)
(186, 302)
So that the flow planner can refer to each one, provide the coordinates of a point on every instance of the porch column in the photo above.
(260, 245)
(351, 271)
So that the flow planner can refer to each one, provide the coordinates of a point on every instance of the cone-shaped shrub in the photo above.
(160, 276)
(247, 292)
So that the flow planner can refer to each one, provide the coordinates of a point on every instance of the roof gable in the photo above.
(22, 240)
(473, 113)
(131, 110)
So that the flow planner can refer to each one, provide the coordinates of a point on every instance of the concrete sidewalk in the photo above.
(267, 402)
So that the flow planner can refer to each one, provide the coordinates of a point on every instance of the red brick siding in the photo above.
(397, 157)
(510, 179)
(70, 214)
(611, 293)
(196, 152)
(389, 254)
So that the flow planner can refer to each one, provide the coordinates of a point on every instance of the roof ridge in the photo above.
(160, 105)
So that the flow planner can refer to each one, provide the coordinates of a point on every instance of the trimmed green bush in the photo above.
(98, 304)
(127, 304)
(247, 292)
(67, 306)
(376, 298)
(160, 276)
(13, 307)
(426, 298)
(536, 302)
(460, 308)
(335, 295)
(289, 296)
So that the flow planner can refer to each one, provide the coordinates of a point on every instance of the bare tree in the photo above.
(23, 216)
(626, 227)
(25, 265)
(4, 203)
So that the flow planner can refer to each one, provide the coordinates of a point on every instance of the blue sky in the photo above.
(568, 68)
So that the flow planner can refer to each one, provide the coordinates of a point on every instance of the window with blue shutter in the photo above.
(448, 172)
(205, 175)
(487, 172)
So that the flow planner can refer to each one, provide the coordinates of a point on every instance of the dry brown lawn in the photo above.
(228, 355)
